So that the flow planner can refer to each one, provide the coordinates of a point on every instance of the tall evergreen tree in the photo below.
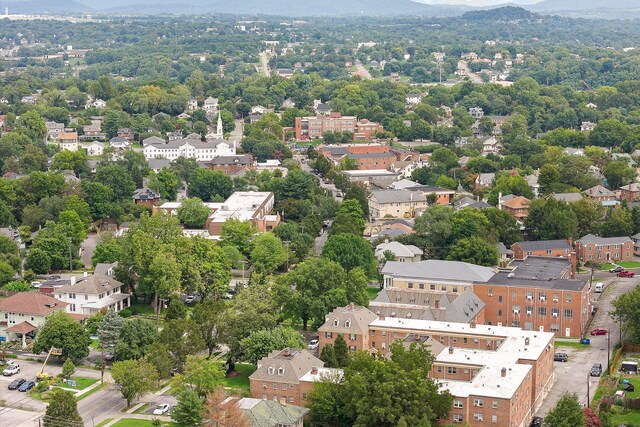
(328, 356)
(341, 352)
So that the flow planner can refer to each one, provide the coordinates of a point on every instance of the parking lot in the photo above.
(18, 400)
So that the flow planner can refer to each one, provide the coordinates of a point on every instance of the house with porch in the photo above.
(90, 294)
(22, 314)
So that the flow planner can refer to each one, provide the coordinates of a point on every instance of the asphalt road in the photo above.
(88, 248)
(572, 376)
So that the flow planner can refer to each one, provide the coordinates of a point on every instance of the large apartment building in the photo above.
(597, 249)
(314, 127)
(497, 375)
(562, 248)
(537, 294)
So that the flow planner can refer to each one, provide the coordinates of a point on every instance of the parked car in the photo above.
(536, 422)
(596, 370)
(599, 332)
(190, 299)
(11, 370)
(313, 345)
(26, 386)
(560, 357)
(628, 387)
(15, 384)
(162, 409)
(616, 269)
(626, 274)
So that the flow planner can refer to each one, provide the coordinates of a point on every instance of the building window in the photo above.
(528, 326)
(328, 334)
(352, 348)
(420, 285)
(555, 328)
(465, 340)
(494, 418)
(494, 404)
(455, 340)
(352, 337)
(478, 403)
(452, 370)
(499, 298)
(347, 323)
(457, 418)
(336, 322)
(284, 386)
(542, 311)
(275, 386)
(490, 292)
(515, 323)
(432, 287)
(555, 312)
(542, 296)
(567, 298)
(514, 295)
(270, 370)
(458, 404)
(455, 289)
(280, 371)
(410, 285)
(499, 312)
(477, 417)
(568, 313)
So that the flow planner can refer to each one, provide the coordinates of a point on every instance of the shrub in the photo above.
(125, 313)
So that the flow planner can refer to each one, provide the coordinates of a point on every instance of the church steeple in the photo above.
(219, 131)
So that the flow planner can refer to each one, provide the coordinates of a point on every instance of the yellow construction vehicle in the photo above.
(42, 375)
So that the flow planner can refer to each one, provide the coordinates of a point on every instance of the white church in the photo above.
(190, 147)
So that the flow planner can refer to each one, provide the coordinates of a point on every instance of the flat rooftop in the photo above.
(241, 205)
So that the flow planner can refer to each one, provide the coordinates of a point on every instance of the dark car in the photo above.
(560, 357)
(16, 383)
(596, 370)
(626, 274)
(26, 386)
(536, 422)
(599, 332)
(628, 387)
(616, 269)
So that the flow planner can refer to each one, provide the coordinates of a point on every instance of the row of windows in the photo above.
(329, 335)
(275, 398)
(529, 295)
(458, 418)
(542, 311)
(432, 287)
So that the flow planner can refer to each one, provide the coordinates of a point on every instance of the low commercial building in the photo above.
(435, 275)
(597, 249)
(537, 294)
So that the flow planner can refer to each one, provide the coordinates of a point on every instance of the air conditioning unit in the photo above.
(555, 300)
(554, 314)
(528, 312)
(516, 311)
(543, 298)
(529, 297)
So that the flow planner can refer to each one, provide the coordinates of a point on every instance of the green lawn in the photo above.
(242, 380)
(629, 418)
(145, 309)
(629, 264)
(141, 409)
(81, 383)
(104, 423)
(132, 422)
(636, 384)
(90, 392)
(576, 344)
(372, 292)
(606, 267)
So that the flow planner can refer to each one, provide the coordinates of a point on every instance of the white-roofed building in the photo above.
(402, 253)
(189, 148)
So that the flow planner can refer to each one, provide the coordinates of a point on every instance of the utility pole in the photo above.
(588, 378)
(608, 352)
(101, 357)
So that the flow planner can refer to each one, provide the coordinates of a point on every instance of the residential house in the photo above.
(490, 145)
(259, 109)
(469, 202)
(587, 126)
(434, 275)
(484, 180)
(280, 376)
(192, 104)
(68, 141)
(517, 206)
(95, 103)
(126, 133)
(94, 148)
(211, 104)
(287, 103)
(352, 322)
(92, 131)
(476, 112)
(574, 151)
(153, 140)
(119, 143)
(145, 196)
(395, 203)
(53, 129)
(414, 99)
(600, 194)
(630, 192)
(567, 197)
(600, 250)
(532, 181)
(443, 196)
(231, 165)
(537, 294)
(401, 253)
(322, 109)
(157, 165)
(105, 269)
(636, 244)
(23, 314)
(287, 73)
(91, 294)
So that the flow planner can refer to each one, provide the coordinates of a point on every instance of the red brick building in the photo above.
(597, 249)
(352, 322)
(231, 165)
(314, 127)
(518, 207)
(600, 194)
(630, 192)
(546, 248)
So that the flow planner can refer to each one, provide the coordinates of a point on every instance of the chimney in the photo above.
(286, 352)
(314, 370)
(381, 317)
(526, 341)
(503, 372)
(450, 350)
(570, 241)
(472, 324)
(436, 303)
(352, 306)
(86, 274)
(73, 280)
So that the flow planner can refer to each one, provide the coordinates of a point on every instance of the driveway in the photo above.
(87, 249)
(572, 376)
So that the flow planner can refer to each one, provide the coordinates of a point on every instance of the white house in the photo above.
(90, 294)
(192, 104)
(24, 313)
(94, 148)
(402, 253)
(414, 98)
(98, 103)
(211, 104)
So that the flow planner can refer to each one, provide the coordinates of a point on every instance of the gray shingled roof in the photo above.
(267, 413)
(370, 155)
(397, 196)
(599, 191)
(158, 163)
(295, 363)
(358, 317)
(95, 284)
(541, 245)
(439, 270)
(567, 197)
(599, 241)
(229, 160)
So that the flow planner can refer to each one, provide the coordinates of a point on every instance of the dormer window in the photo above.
(336, 322)
(347, 323)
(270, 370)
(280, 371)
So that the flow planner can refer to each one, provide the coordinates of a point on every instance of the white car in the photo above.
(313, 345)
(11, 370)
(190, 299)
(162, 409)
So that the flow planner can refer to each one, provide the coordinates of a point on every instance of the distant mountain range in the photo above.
(306, 7)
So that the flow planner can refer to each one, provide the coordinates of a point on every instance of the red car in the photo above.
(599, 332)
(626, 274)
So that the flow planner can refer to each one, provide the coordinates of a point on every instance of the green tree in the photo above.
(262, 342)
(166, 182)
(358, 193)
(350, 252)
(209, 185)
(209, 318)
(158, 356)
(68, 369)
(7, 273)
(134, 378)
(202, 375)
(589, 214)
(239, 234)
(135, 338)
(349, 219)
(75, 161)
(109, 329)
(268, 253)
(618, 173)
(618, 222)
(193, 213)
(328, 356)
(327, 403)
(550, 219)
(626, 307)
(566, 413)
(176, 309)
(341, 352)
(182, 338)
(107, 251)
(76, 229)
(474, 250)
(188, 410)
(62, 331)
(116, 178)
(17, 286)
(62, 410)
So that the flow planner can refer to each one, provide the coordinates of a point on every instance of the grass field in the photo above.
(636, 384)
(606, 266)
(142, 408)
(81, 383)
(575, 344)
(90, 392)
(629, 264)
(372, 292)
(629, 418)
(145, 309)
(104, 423)
(241, 381)
(132, 422)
